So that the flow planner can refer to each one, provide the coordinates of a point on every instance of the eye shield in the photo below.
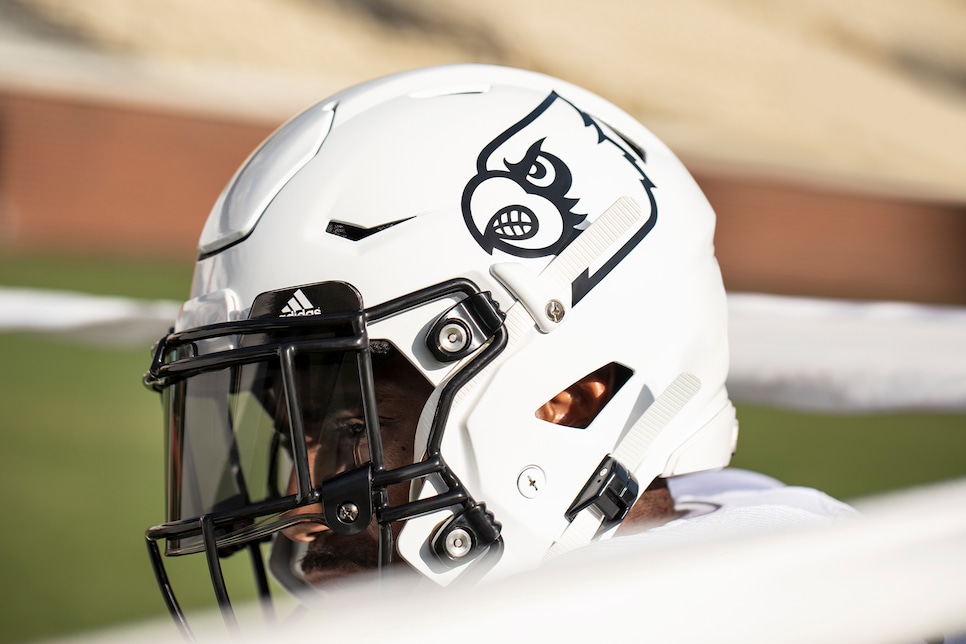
(259, 412)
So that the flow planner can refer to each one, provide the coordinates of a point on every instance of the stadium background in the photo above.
(828, 136)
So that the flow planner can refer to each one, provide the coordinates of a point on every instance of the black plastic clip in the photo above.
(347, 501)
(465, 535)
(612, 490)
(151, 378)
(465, 327)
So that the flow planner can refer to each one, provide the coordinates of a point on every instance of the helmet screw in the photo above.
(453, 337)
(458, 543)
(531, 481)
(555, 310)
(348, 512)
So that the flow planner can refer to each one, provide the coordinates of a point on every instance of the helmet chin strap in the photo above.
(545, 300)
(548, 297)
(628, 455)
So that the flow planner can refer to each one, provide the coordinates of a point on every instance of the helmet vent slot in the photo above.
(358, 233)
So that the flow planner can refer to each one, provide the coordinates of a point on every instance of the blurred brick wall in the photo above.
(777, 236)
(82, 177)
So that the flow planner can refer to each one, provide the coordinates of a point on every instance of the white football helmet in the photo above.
(507, 234)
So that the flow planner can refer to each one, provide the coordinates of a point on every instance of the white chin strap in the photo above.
(630, 452)
(547, 299)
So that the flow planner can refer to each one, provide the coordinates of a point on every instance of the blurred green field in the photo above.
(82, 478)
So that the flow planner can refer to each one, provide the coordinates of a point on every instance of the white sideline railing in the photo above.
(791, 352)
(99, 319)
(835, 355)
(894, 575)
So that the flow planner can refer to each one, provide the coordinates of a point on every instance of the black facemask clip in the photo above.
(465, 535)
(465, 327)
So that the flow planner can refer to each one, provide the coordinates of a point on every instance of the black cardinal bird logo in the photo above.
(525, 199)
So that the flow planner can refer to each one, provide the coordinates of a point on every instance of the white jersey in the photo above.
(733, 501)
(727, 503)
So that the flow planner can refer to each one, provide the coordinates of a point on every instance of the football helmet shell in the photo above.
(589, 236)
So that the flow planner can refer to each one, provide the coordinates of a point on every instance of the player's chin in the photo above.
(332, 559)
(327, 577)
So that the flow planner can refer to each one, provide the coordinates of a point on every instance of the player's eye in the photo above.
(353, 427)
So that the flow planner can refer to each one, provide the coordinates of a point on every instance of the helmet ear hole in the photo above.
(579, 404)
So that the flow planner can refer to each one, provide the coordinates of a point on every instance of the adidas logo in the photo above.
(299, 305)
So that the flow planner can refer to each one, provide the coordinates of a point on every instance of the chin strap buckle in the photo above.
(611, 492)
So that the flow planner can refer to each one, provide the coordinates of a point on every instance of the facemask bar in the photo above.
(372, 477)
(490, 330)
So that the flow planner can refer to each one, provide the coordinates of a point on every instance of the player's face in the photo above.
(401, 392)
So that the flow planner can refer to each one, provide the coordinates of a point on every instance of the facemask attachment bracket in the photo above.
(464, 536)
(611, 491)
(347, 501)
(465, 327)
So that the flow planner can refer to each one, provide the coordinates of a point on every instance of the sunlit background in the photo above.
(828, 135)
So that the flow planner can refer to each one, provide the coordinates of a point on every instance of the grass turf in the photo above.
(82, 463)
(81, 480)
(148, 279)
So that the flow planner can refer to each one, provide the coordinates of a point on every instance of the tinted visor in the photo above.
(258, 414)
